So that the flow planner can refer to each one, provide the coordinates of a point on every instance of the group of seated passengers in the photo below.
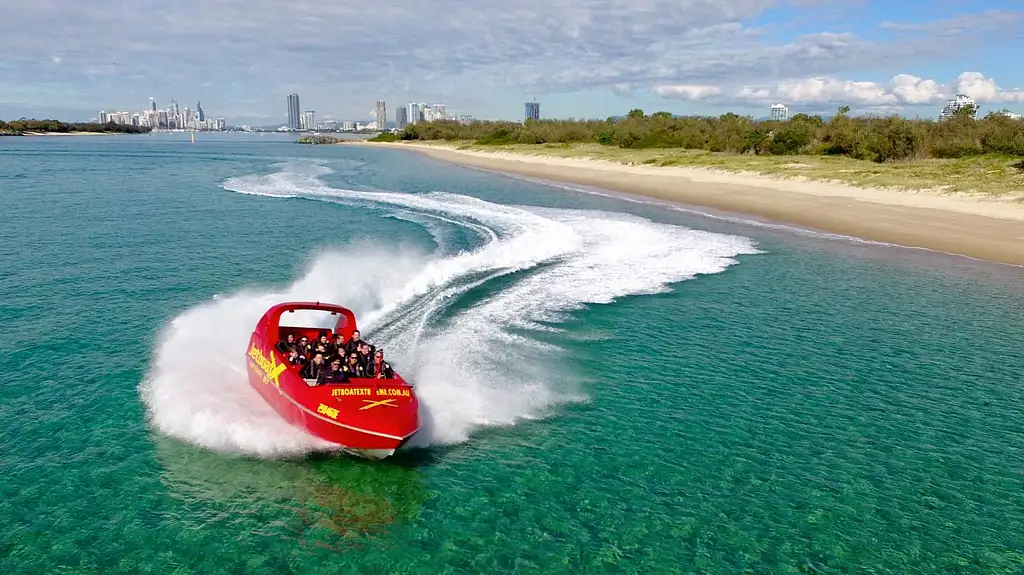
(335, 361)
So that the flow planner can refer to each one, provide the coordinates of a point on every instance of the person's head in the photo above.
(364, 347)
(336, 364)
(318, 358)
(290, 338)
(321, 347)
(378, 356)
(356, 335)
(352, 358)
(292, 353)
(339, 338)
(303, 340)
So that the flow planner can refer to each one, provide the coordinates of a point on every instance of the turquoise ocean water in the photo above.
(608, 386)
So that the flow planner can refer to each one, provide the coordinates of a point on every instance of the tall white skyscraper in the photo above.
(778, 112)
(308, 122)
(415, 112)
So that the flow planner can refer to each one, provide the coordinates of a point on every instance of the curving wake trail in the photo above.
(472, 367)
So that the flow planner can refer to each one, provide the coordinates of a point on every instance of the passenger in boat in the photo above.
(337, 348)
(313, 368)
(304, 347)
(294, 358)
(323, 339)
(364, 354)
(284, 344)
(333, 374)
(356, 342)
(353, 368)
(321, 349)
(378, 368)
(353, 344)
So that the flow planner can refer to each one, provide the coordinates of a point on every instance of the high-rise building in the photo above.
(952, 106)
(416, 112)
(307, 120)
(199, 112)
(533, 110)
(294, 119)
(401, 118)
(382, 115)
(152, 103)
(778, 112)
(438, 111)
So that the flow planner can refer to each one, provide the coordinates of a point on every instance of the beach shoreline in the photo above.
(988, 229)
(69, 133)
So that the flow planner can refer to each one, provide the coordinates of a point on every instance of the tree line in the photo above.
(874, 138)
(15, 127)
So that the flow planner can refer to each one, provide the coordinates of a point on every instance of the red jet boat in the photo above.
(366, 417)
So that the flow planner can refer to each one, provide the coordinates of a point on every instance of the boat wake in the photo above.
(461, 325)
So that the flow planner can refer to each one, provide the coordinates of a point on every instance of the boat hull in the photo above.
(368, 418)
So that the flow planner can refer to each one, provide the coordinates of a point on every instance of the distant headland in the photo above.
(25, 127)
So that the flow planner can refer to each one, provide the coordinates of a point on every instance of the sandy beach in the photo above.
(982, 228)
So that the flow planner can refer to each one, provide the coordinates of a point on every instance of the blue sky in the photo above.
(578, 58)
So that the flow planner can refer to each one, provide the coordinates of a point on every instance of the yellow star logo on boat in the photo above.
(371, 403)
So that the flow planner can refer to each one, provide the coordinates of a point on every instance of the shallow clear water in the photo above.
(608, 385)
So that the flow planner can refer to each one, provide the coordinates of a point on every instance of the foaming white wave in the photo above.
(198, 390)
(472, 367)
(482, 360)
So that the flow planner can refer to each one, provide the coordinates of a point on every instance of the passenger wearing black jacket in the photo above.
(313, 368)
(337, 347)
(365, 353)
(378, 368)
(353, 368)
(294, 358)
(283, 345)
(333, 374)
(304, 347)
(353, 344)
(357, 342)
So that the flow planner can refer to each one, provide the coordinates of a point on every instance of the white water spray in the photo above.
(469, 367)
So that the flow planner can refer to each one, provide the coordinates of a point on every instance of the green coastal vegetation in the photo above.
(961, 154)
(22, 127)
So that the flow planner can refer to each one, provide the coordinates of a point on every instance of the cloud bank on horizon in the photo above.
(581, 58)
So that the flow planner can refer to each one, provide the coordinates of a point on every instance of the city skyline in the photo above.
(686, 57)
(172, 117)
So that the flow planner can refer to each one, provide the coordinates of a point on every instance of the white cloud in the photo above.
(687, 91)
(913, 90)
(344, 54)
(902, 90)
(813, 90)
(986, 90)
